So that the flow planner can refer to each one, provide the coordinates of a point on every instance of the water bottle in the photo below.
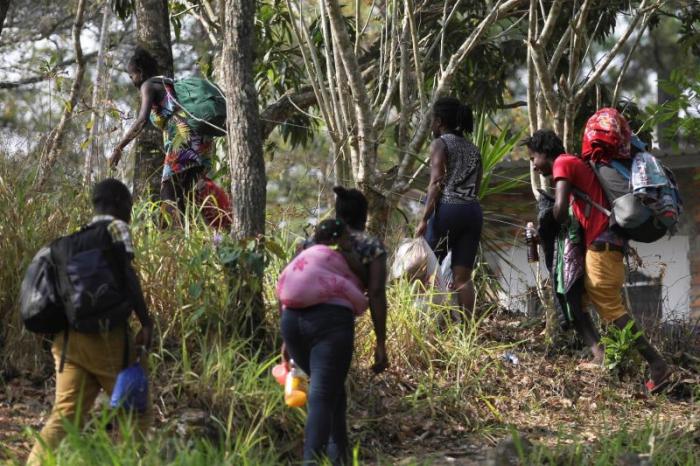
(531, 240)
(295, 387)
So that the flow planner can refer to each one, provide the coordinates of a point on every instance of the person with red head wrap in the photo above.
(606, 136)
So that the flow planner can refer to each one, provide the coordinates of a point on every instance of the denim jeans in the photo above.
(320, 340)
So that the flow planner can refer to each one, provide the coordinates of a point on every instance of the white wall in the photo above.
(667, 256)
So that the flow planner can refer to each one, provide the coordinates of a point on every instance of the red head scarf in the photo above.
(607, 136)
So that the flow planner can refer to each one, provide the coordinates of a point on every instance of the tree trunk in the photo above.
(4, 6)
(153, 34)
(248, 181)
(55, 144)
(245, 146)
(92, 158)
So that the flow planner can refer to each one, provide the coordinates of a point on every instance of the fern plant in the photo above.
(618, 345)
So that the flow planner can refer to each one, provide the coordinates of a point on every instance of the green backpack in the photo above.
(204, 104)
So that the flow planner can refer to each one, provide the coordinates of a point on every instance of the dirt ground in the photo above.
(545, 396)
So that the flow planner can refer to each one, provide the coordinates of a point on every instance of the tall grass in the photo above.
(199, 363)
(215, 402)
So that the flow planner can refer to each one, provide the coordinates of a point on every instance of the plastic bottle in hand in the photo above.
(531, 240)
(295, 387)
(279, 372)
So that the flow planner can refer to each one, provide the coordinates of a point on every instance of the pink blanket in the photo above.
(320, 275)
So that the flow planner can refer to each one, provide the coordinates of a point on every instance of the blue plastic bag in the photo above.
(131, 389)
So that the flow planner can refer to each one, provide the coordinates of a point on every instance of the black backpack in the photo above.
(41, 308)
(89, 279)
(75, 282)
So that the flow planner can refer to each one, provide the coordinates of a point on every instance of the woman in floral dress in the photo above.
(187, 153)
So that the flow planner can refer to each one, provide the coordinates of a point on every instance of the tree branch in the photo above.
(44, 76)
(365, 131)
(531, 82)
(583, 89)
(628, 59)
(500, 10)
(544, 77)
(284, 108)
(559, 51)
(550, 24)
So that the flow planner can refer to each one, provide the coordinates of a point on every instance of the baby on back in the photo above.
(325, 273)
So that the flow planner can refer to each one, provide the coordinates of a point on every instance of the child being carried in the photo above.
(326, 273)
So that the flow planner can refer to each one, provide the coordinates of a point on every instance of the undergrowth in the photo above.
(215, 401)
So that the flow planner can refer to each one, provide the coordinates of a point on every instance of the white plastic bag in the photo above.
(414, 260)
(443, 280)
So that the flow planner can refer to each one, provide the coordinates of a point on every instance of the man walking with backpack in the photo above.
(576, 184)
(98, 289)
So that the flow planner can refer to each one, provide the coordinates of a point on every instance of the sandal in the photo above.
(656, 387)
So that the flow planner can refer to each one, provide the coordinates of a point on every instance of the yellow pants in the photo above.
(604, 279)
(93, 362)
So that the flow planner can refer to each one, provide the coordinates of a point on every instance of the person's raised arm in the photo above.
(378, 309)
(438, 166)
(148, 97)
(562, 195)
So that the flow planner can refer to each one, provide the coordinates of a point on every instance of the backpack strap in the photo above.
(64, 349)
(604, 184)
(587, 199)
(621, 169)
(164, 79)
(125, 362)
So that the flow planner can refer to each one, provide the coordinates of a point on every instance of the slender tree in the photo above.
(92, 158)
(55, 142)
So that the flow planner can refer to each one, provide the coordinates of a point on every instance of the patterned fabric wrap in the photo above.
(215, 204)
(463, 171)
(607, 136)
(320, 275)
(184, 148)
(568, 256)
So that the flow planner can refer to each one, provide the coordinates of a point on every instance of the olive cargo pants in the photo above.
(92, 362)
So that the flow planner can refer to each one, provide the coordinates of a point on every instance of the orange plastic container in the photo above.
(295, 387)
